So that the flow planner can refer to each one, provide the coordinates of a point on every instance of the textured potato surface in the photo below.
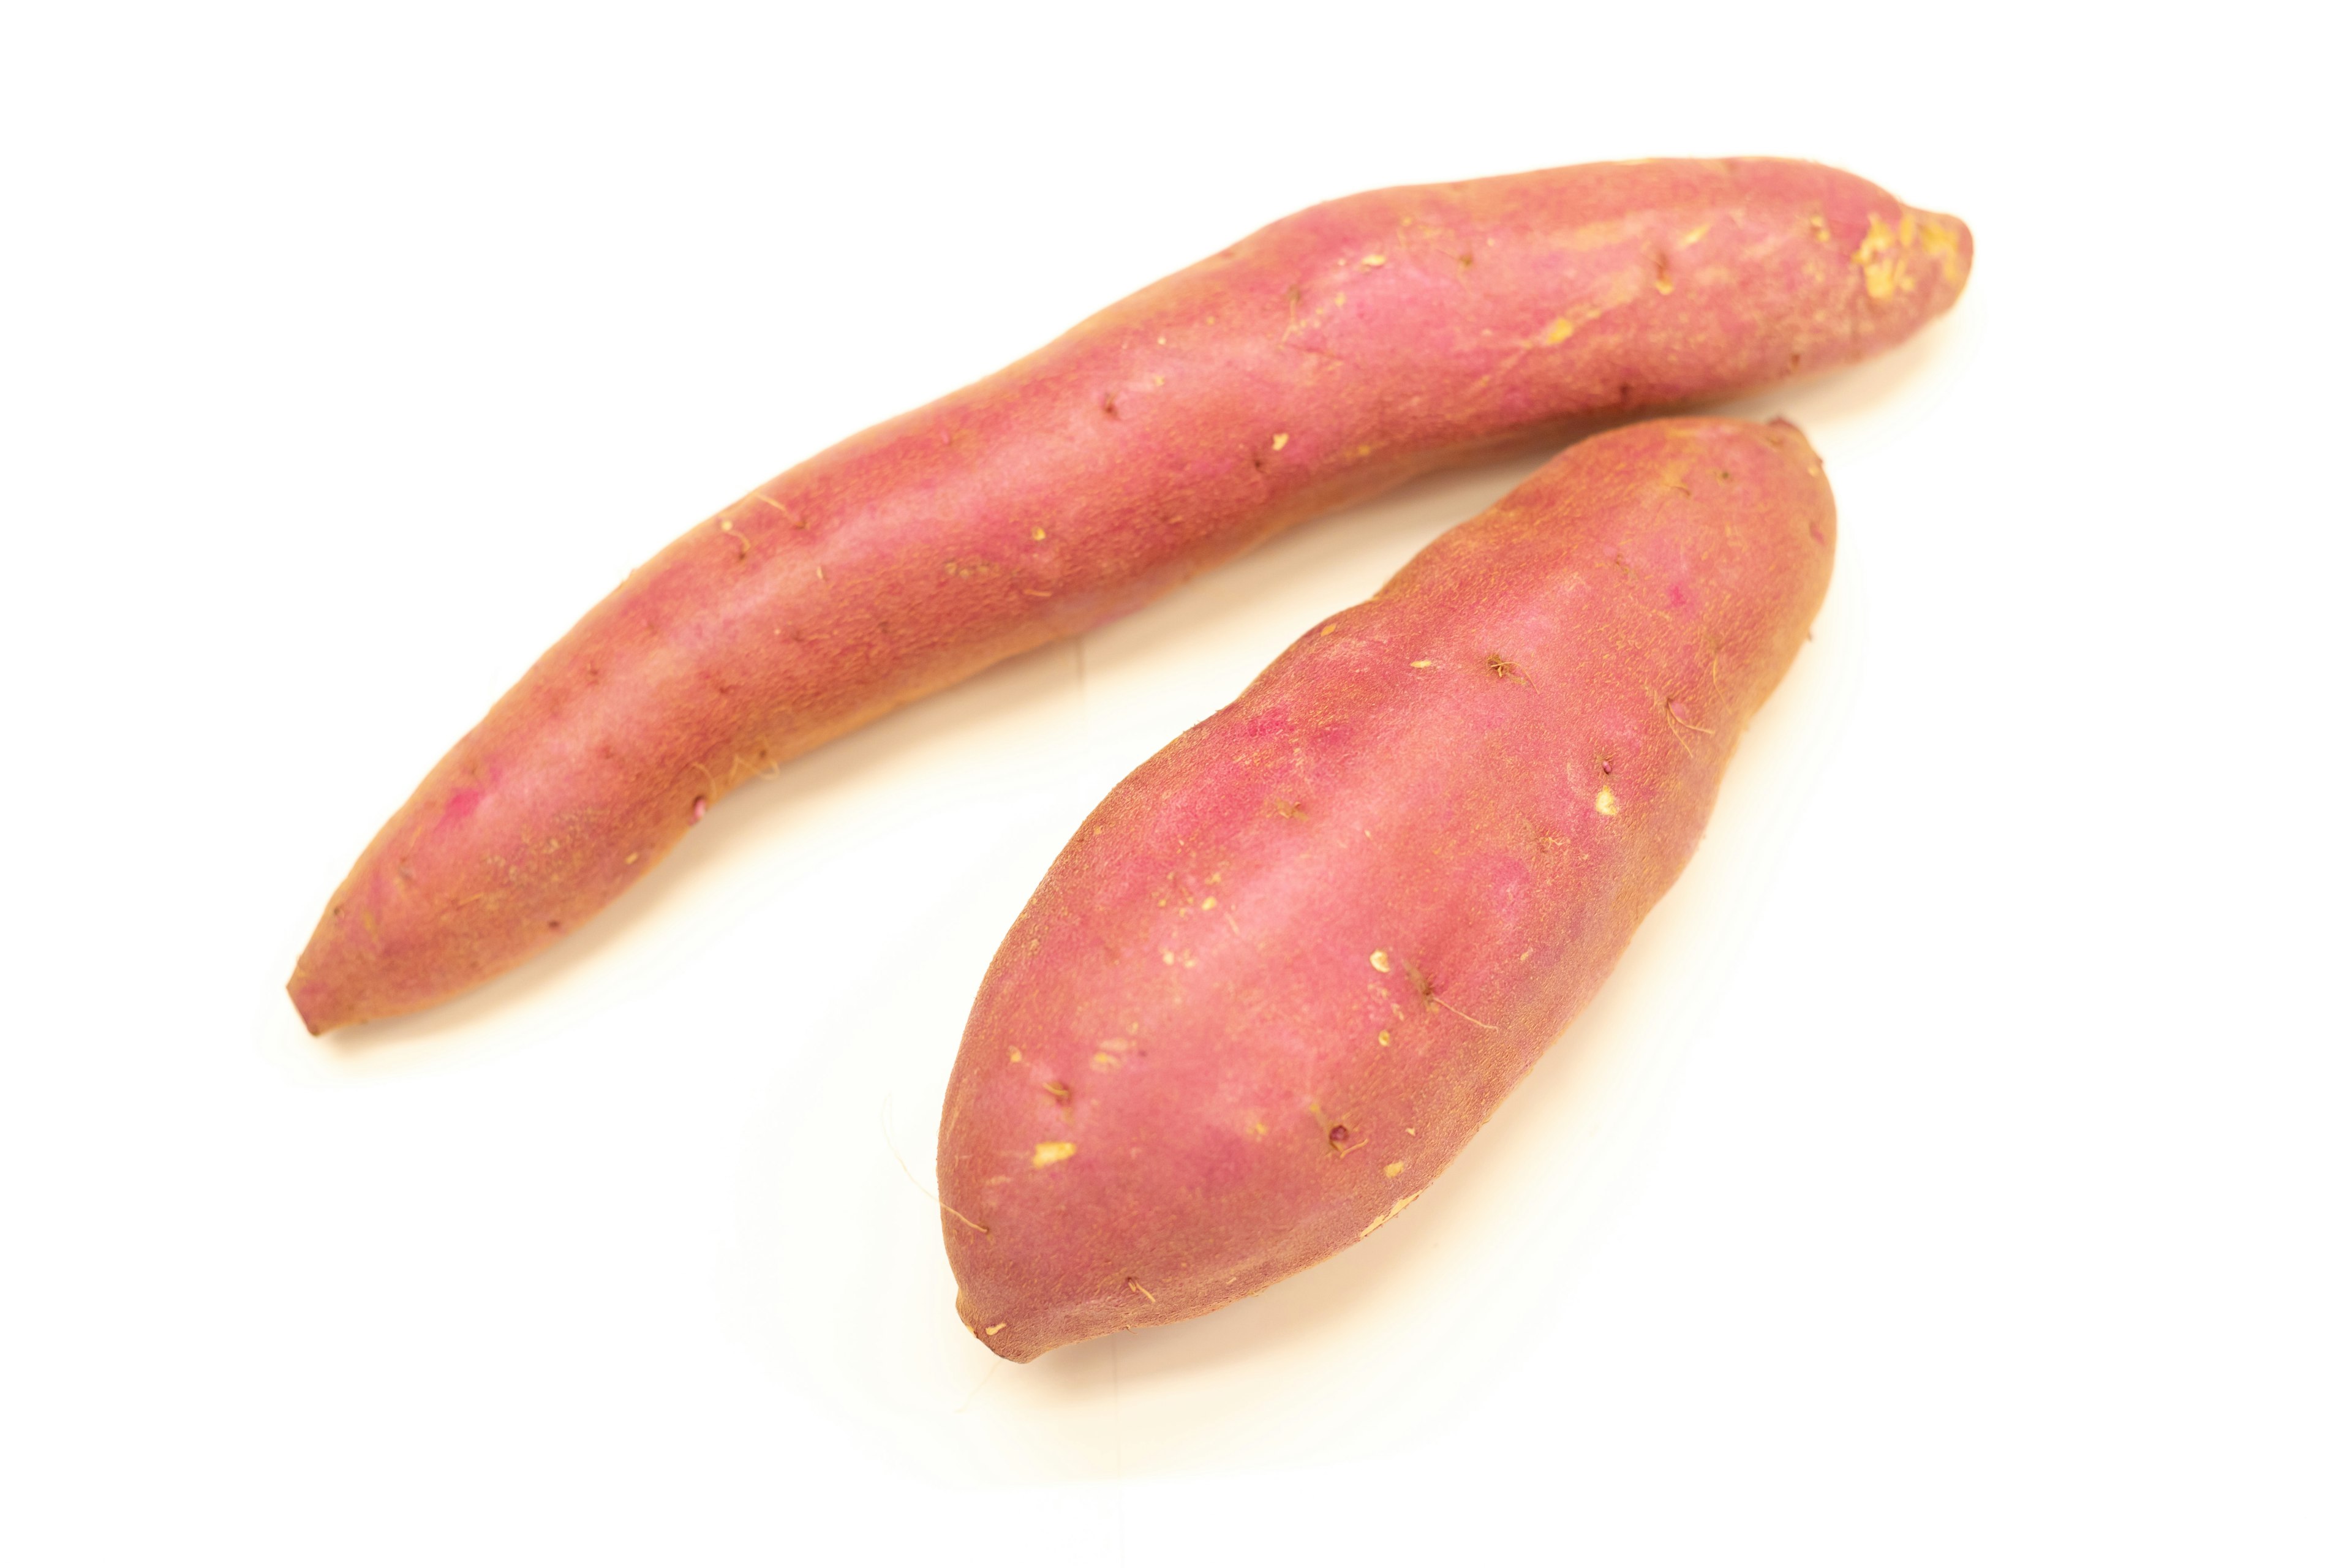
(1295, 959)
(1323, 359)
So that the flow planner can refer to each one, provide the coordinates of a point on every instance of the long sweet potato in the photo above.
(1327, 357)
(1295, 959)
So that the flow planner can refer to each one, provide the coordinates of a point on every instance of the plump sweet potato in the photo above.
(1325, 358)
(1295, 959)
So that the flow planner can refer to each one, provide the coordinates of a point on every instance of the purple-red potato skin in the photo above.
(1292, 963)
(1325, 358)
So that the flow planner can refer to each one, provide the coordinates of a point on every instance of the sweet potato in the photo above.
(1325, 358)
(1295, 959)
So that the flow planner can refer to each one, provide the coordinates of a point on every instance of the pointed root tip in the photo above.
(1000, 1337)
(317, 1003)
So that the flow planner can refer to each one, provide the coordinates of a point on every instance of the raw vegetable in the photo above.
(1292, 963)
(1325, 358)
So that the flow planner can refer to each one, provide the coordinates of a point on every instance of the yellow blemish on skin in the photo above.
(1036, 533)
(1209, 902)
(1695, 235)
(1013, 1053)
(1384, 1036)
(1380, 962)
(1166, 956)
(992, 1333)
(1605, 803)
(1051, 1154)
(1822, 229)
(1943, 245)
(1163, 342)
(630, 859)
(1392, 1168)
(1376, 261)
(1395, 1209)
(1105, 1062)
(1620, 290)
(1422, 663)
(1908, 229)
(1875, 241)
(1365, 450)
(1282, 440)
(1330, 626)
(1883, 272)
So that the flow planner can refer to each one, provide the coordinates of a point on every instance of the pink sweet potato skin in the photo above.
(1292, 963)
(1327, 357)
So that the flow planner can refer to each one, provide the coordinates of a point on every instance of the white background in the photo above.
(1956, 1172)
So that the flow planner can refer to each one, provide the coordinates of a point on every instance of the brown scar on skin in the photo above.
(1341, 1137)
(780, 509)
(1675, 726)
(1674, 718)
(1433, 1001)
